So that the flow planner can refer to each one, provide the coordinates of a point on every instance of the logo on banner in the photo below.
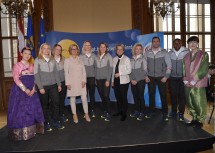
(147, 47)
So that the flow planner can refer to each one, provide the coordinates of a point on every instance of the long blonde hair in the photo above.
(83, 50)
(40, 56)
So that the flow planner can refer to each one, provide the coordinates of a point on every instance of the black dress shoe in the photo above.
(198, 125)
(116, 114)
(191, 123)
(123, 118)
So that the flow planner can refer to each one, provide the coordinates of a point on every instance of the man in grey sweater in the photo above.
(176, 80)
(159, 68)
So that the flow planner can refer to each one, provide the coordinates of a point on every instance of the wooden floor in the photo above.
(207, 127)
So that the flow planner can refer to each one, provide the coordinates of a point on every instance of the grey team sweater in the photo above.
(139, 69)
(90, 64)
(177, 62)
(46, 73)
(158, 65)
(60, 68)
(104, 67)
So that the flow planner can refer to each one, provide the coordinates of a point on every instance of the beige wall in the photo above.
(86, 16)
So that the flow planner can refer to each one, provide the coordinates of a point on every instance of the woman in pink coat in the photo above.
(75, 79)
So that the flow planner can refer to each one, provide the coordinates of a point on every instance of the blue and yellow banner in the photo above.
(127, 37)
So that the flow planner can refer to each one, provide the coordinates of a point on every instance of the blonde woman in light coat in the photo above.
(75, 79)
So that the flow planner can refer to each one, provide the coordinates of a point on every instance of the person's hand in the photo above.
(27, 91)
(164, 79)
(69, 87)
(133, 82)
(107, 83)
(59, 88)
(112, 84)
(32, 92)
(42, 91)
(83, 84)
(116, 75)
(186, 83)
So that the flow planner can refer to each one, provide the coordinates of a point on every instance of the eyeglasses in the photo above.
(193, 42)
(74, 49)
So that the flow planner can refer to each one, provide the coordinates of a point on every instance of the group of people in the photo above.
(37, 97)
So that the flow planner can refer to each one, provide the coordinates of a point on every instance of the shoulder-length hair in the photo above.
(40, 56)
(120, 45)
(136, 45)
(106, 45)
(53, 54)
(70, 49)
(83, 50)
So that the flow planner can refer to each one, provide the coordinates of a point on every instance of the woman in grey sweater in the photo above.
(89, 60)
(104, 68)
(57, 53)
(138, 76)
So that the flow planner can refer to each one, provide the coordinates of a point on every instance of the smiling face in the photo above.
(45, 50)
(193, 45)
(87, 47)
(102, 48)
(156, 43)
(177, 45)
(74, 50)
(57, 51)
(26, 55)
(119, 50)
(138, 50)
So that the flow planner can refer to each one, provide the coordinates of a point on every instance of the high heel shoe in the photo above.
(75, 118)
(87, 117)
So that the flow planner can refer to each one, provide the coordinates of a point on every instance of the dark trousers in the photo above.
(104, 94)
(138, 95)
(62, 96)
(162, 90)
(91, 90)
(51, 92)
(121, 91)
(177, 94)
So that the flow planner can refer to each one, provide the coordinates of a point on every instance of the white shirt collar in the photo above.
(46, 59)
(156, 50)
(102, 55)
(57, 59)
(136, 57)
(88, 54)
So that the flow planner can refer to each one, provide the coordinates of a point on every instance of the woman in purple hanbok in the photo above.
(25, 116)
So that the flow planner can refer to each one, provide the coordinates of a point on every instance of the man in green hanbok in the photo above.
(195, 77)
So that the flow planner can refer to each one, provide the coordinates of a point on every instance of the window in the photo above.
(197, 21)
(9, 41)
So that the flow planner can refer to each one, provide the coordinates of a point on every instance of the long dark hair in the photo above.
(58, 45)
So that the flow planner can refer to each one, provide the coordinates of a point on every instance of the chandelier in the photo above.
(164, 7)
(17, 7)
